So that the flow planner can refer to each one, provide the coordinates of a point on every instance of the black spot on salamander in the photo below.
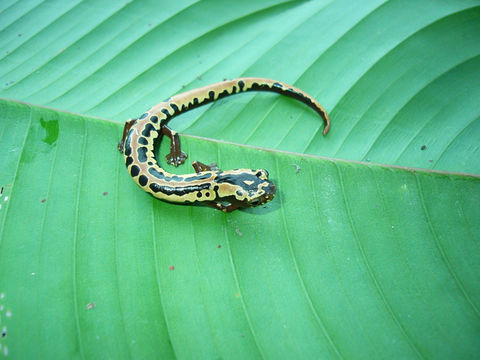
(241, 85)
(142, 154)
(148, 128)
(174, 178)
(156, 173)
(234, 89)
(155, 187)
(127, 144)
(150, 163)
(134, 170)
(161, 176)
(262, 87)
(177, 190)
(227, 178)
(277, 85)
(223, 94)
(142, 140)
(211, 95)
(245, 180)
(194, 104)
(215, 188)
(143, 180)
(199, 194)
(128, 161)
(268, 87)
(197, 177)
(299, 95)
(166, 112)
(174, 108)
(143, 116)
(154, 119)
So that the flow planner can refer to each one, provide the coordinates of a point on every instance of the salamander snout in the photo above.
(270, 189)
(265, 194)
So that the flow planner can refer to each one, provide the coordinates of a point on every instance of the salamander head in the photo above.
(245, 187)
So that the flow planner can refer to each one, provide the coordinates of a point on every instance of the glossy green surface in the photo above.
(394, 77)
(349, 260)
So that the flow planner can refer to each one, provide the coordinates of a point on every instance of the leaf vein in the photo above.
(75, 237)
(371, 274)
(157, 278)
(318, 320)
(441, 250)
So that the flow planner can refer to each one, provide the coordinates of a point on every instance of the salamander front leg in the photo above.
(222, 207)
(199, 167)
(177, 156)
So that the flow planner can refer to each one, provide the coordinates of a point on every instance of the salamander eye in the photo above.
(240, 193)
(262, 174)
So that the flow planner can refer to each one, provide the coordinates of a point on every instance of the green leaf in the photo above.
(350, 260)
(90, 265)
(393, 77)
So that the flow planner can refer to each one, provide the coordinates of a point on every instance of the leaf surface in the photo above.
(93, 266)
(394, 78)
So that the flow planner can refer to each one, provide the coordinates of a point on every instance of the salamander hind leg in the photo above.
(126, 129)
(199, 167)
(176, 156)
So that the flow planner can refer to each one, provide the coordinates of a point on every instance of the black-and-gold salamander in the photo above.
(223, 190)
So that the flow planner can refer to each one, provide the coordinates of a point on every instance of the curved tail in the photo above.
(204, 95)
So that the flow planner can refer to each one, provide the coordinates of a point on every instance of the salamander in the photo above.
(223, 190)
